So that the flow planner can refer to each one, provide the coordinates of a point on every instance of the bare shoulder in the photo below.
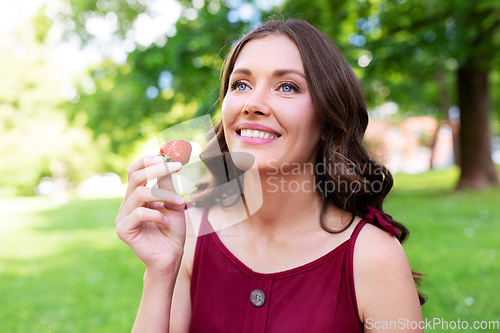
(375, 244)
(383, 279)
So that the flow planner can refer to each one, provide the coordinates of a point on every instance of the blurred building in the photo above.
(411, 146)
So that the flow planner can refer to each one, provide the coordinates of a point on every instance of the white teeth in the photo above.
(256, 134)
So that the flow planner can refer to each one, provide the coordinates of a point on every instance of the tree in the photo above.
(414, 48)
(468, 31)
(37, 140)
(422, 54)
(161, 83)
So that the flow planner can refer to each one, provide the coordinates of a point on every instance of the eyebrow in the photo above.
(278, 72)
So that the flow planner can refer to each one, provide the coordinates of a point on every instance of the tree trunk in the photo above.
(477, 168)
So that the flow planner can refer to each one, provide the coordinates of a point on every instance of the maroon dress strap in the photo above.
(350, 266)
(378, 219)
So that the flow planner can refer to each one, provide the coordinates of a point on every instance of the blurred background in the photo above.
(84, 84)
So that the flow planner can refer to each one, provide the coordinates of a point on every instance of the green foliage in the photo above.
(79, 11)
(105, 129)
(416, 46)
(41, 24)
(36, 138)
(426, 37)
(405, 67)
(184, 73)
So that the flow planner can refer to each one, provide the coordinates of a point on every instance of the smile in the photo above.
(257, 134)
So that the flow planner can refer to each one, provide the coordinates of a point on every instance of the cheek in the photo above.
(228, 117)
(304, 114)
(307, 122)
(225, 116)
(229, 109)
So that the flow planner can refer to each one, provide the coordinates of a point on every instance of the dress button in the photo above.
(257, 297)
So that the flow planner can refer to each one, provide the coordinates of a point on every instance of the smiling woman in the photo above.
(268, 95)
(319, 255)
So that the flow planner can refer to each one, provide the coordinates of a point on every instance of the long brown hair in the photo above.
(355, 180)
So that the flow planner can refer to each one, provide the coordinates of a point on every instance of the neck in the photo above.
(291, 204)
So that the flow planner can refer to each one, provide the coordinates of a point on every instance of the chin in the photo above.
(245, 159)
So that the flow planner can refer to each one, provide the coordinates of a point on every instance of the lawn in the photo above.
(63, 269)
(454, 241)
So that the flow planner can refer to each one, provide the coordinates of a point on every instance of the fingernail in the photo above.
(159, 158)
(176, 165)
(178, 199)
(167, 221)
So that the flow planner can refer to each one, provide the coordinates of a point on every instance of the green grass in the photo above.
(454, 241)
(63, 269)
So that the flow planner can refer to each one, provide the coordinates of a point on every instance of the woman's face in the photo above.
(268, 110)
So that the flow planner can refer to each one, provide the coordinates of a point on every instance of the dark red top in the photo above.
(316, 297)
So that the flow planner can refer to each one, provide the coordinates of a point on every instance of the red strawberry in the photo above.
(176, 151)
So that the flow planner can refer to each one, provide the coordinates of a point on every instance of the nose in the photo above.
(257, 103)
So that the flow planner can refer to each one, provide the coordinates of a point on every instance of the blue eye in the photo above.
(238, 85)
(288, 87)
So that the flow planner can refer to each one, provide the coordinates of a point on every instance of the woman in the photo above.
(290, 100)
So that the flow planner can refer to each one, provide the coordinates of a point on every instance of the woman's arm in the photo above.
(154, 311)
(164, 305)
(180, 314)
(153, 223)
(385, 291)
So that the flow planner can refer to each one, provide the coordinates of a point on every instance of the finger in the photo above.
(140, 164)
(149, 205)
(166, 183)
(159, 207)
(162, 170)
(142, 176)
(160, 193)
(127, 229)
(169, 207)
(166, 207)
(154, 171)
(143, 162)
(143, 195)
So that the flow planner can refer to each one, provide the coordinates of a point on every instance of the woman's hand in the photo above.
(155, 232)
